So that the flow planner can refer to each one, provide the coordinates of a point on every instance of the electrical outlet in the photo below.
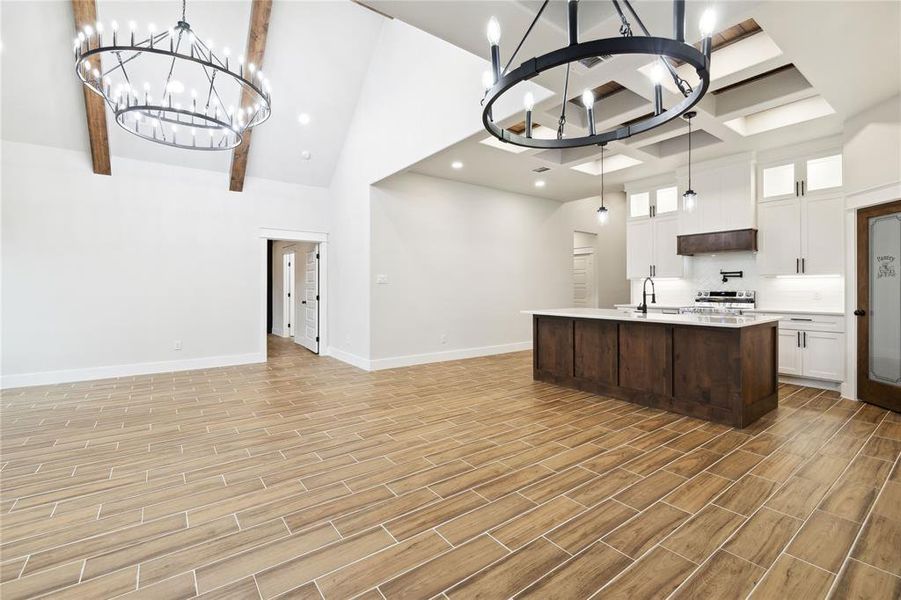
(381, 279)
(178, 344)
(443, 338)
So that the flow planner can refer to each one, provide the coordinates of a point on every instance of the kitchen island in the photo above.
(716, 368)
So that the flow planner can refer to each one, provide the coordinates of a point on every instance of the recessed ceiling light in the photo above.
(457, 164)
(540, 183)
(303, 118)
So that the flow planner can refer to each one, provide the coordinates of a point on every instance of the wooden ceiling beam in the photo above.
(85, 12)
(256, 48)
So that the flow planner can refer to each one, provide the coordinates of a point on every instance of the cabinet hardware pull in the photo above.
(802, 187)
(797, 265)
(805, 339)
(803, 266)
(799, 338)
(796, 188)
(799, 319)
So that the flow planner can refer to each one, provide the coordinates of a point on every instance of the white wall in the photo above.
(872, 148)
(102, 274)
(872, 174)
(403, 115)
(462, 261)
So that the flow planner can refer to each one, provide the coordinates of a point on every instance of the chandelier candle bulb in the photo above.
(494, 38)
(706, 26)
(529, 102)
(588, 101)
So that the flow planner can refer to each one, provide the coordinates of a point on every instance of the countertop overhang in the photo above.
(610, 314)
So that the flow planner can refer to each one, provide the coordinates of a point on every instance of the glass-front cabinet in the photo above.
(801, 177)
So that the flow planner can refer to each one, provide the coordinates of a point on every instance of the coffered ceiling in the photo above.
(783, 73)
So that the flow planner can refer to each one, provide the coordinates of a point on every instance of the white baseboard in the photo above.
(87, 374)
(815, 383)
(351, 359)
(432, 357)
(278, 332)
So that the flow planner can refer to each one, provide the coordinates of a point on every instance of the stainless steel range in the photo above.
(723, 302)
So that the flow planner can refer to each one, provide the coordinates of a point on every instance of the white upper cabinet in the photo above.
(823, 173)
(801, 236)
(651, 232)
(822, 235)
(667, 262)
(639, 251)
(725, 198)
(779, 237)
(666, 200)
(778, 181)
(801, 177)
(639, 205)
(801, 216)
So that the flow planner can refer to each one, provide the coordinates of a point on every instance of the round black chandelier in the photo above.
(226, 99)
(668, 50)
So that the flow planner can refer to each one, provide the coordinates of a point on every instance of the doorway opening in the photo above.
(585, 292)
(294, 291)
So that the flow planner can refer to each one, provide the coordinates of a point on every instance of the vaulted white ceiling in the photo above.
(846, 54)
(316, 58)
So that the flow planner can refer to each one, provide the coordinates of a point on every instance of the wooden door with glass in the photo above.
(879, 305)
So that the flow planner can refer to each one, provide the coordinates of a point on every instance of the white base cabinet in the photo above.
(789, 353)
(824, 355)
(812, 346)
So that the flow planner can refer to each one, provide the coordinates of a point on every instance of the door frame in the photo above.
(854, 201)
(286, 235)
(873, 389)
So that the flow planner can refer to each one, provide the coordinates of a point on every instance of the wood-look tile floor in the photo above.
(307, 478)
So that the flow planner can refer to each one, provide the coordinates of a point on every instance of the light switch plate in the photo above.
(381, 279)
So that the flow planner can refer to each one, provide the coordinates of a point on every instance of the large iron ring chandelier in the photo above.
(227, 99)
(669, 51)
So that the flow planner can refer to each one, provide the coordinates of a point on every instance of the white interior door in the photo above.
(308, 329)
(583, 279)
(288, 292)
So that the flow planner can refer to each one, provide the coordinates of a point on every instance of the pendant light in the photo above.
(603, 213)
(690, 197)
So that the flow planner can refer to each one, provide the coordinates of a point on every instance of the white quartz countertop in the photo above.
(611, 314)
(798, 311)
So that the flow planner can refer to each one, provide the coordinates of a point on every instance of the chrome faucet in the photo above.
(643, 307)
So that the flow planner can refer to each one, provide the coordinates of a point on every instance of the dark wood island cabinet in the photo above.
(720, 369)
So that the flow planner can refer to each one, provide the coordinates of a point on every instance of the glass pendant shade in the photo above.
(603, 215)
(689, 200)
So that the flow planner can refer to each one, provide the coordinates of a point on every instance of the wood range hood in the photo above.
(736, 240)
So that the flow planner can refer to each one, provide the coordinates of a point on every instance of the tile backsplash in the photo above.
(804, 292)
